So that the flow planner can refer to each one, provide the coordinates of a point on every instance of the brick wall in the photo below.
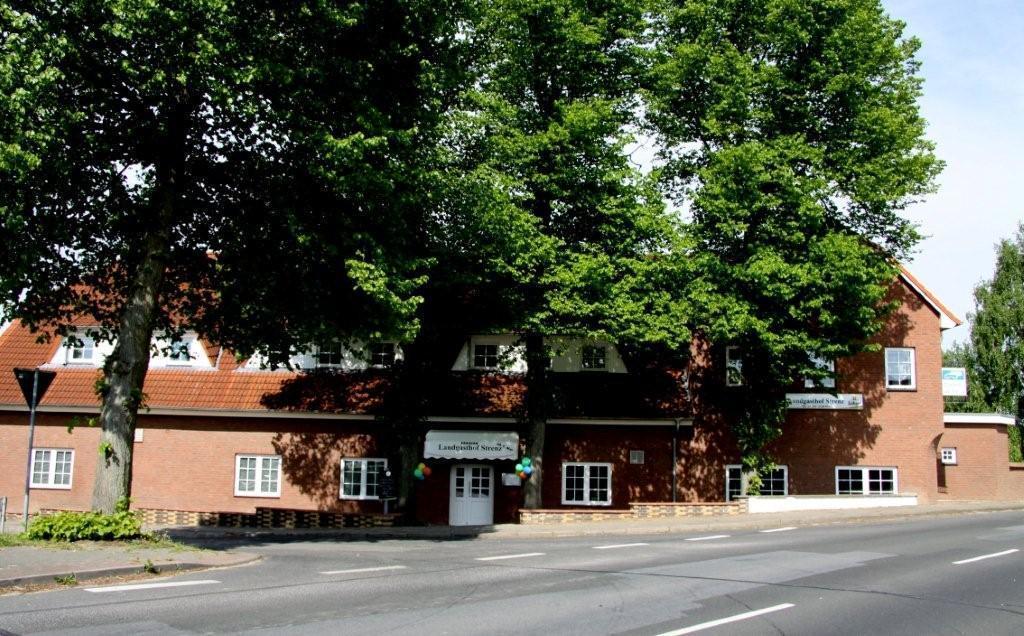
(983, 469)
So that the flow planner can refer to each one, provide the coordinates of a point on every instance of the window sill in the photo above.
(587, 504)
(259, 495)
(46, 487)
(356, 498)
(901, 389)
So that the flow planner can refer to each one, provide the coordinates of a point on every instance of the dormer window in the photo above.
(594, 358)
(329, 354)
(382, 354)
(175, 353)
(82, 352)
(485, 356)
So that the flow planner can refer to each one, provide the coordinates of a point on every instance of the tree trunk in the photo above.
(536, 417)
(124, 372)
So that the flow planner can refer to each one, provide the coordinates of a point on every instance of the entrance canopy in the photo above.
(471, 445)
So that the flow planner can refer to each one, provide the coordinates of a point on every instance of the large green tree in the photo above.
(997, 331)
(791, 135)
(553, 226)
(250, 170)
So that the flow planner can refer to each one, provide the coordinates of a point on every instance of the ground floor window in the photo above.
(51, 467)
(360, 478)
(587, 484)
(866, 480)
(774, 483)
(258, 475)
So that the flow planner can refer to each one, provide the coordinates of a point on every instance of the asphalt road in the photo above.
(961, 575)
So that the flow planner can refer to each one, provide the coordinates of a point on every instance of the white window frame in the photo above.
(913, 370)
(88, 343)
(258, 491)
(363, 462)
(947, 455)
(733, 362)
(381, 344)
(636, 457)
(331, 348)
(180, 353)
(824, 383)
(52, 468)
(744, 480)
(497, 355)
(867, 484)
(586, 482)
(588, 355)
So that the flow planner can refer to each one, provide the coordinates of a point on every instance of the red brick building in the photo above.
(232, 442)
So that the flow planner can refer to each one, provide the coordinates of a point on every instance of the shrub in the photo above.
(81, 526)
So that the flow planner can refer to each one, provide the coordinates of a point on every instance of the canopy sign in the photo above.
(471, 445)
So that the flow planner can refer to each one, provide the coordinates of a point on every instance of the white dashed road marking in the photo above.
(779, 529)
(357, 570)
(148, 586)
(510, 556)
(619, 545)
(986, 556)
(728, 619)
(708, 538)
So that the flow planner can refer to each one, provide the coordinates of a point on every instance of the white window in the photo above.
(733, 366)
(485, 356)
(828, 366)
(866, 480)
(328, 354)
(81, 352)
(949, 456)
(594, 358)
(360, 478)
(258, 475)
(636, 457)
(173, 354)
(899, 369)
(51, 467)
(382, 354)
(774, 483)
(587, 484)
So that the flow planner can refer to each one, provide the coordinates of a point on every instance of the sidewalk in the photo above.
(31, 565)
(226, 536)
(25, 565)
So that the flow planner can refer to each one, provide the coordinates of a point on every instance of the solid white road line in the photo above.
(510, 556)
(148, 586)
(708, 538)
(986, 556)
(357, 570)
(729, 619)
(619, 545)
(779, 529)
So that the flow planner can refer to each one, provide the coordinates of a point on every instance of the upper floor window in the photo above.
(82, 352)
(485, 356)
(328, 354)
(594, 358)
(382, 354)
(900, 373)
(175, 353)
(733, 366)
(828, 382)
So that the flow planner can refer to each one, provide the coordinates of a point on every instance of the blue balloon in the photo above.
(528, 469)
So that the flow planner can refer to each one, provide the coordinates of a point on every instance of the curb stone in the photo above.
(85, 575)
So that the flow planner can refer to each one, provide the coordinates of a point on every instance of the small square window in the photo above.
(593, 358)
(81, 352)
(949, 456)
(636, 457)
(382, 354)
(899, 369)
(733, 366)
(485, 356)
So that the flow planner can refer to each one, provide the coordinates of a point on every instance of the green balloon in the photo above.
(527, 461)
(418, 473)
(519, 468)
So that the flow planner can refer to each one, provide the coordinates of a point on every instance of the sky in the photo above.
(972, 56)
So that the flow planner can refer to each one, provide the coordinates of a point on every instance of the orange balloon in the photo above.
(426, 470)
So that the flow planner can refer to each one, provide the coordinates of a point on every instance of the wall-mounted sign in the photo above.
(471, 445)
(954, 381)
(826, 401)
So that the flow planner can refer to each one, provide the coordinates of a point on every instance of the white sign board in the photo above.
(826, 401)
(954, 381)
(471, 445)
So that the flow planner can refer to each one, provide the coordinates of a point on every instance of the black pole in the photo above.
(31, 435)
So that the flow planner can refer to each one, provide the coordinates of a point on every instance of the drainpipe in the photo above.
(675, 449)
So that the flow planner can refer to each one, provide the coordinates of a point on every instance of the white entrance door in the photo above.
(472, 498)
